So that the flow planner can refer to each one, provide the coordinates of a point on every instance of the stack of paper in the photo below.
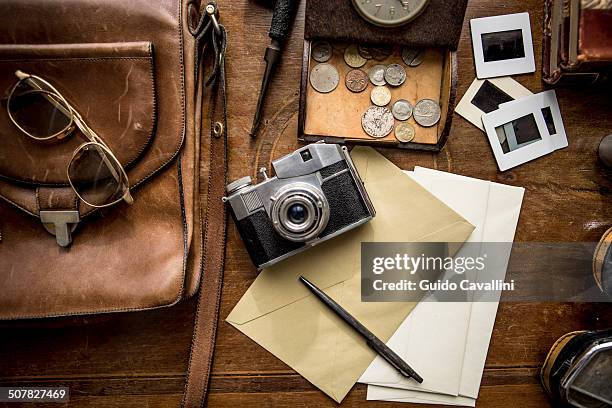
(445, 342)
(280, 314)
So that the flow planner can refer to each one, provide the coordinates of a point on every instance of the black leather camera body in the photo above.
(316, 194)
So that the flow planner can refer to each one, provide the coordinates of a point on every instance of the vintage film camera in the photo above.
(315, 195)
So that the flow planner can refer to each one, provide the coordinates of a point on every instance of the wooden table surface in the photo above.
(140, 359)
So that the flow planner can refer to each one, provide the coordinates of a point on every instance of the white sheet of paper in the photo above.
(452, 320)
(379, 393)
(498, 224)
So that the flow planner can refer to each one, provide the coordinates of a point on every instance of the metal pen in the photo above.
(371, 340)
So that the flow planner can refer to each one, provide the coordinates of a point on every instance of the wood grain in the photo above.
(140, 359)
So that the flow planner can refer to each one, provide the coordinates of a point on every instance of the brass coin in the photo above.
(404, 132)
(380, 96)
(356, 80)
(352, 57)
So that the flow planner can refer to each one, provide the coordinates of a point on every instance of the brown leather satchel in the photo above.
(134, 72)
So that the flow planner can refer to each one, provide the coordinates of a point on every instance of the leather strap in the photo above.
(205, 328)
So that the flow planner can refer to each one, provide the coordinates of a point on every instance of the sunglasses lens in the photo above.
(37, 111)
(97, 176)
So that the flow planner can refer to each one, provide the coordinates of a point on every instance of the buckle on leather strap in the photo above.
(56, 223)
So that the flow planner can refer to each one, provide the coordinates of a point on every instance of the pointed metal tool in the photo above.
(284, 12)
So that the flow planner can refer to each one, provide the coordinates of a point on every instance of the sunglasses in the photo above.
(40, 111)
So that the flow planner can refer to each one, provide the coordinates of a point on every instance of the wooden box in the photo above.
(336, 116)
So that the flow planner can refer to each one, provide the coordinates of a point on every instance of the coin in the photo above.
(381, 53)
(412, 56)
(377, 75)
(356, 80)
(352, 57)
(381, 96)
(418, 59)
(321, 51)
(426, 112)
(364, 51)
(404, 132)
(324, 78)
(402, 109)
(395, 75)
(377, 121)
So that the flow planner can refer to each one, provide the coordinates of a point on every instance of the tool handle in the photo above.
(284, 11)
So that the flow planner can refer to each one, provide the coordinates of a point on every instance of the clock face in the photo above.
(389, 13)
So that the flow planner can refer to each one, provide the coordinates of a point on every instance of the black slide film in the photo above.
(518, 133)
(550, 122)
(503, 45)
(489, 97)
(526, 129)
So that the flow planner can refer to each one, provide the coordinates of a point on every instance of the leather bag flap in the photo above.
(112, 87)
(121, 66)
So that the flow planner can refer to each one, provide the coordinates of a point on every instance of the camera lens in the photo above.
(297, 213)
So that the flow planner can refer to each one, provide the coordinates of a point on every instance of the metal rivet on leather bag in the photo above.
(211, 10)
(218, 129)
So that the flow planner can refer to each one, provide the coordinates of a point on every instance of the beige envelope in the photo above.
(281, 315)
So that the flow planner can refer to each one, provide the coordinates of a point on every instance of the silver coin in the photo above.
(377, 75)
(380, 96)
(395, 74)
(402, 109)
(377, 121)
(426, 112)
(321, 51)
(324, 78)
(412, 56)
(352, 57)
(404, 132)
